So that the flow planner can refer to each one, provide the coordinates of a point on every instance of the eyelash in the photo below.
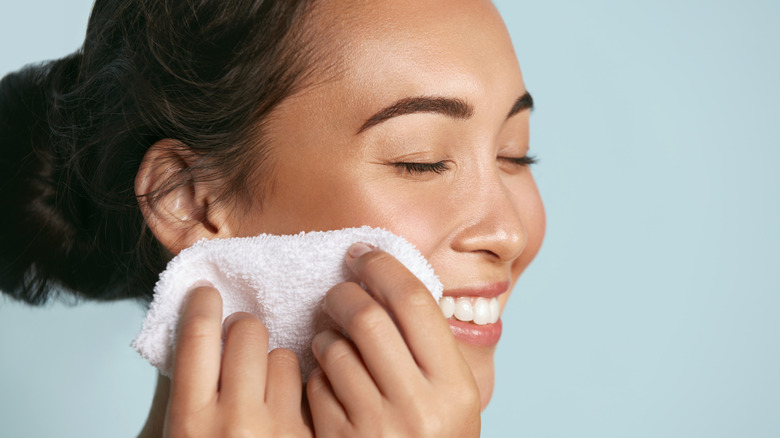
(418, 168)
(441, 166)
(525, 161)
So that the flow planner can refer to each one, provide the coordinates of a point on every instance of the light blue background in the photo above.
(652, 310)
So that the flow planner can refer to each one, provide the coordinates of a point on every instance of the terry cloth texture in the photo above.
(281, 279)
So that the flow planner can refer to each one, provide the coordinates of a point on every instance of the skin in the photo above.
(479, 221)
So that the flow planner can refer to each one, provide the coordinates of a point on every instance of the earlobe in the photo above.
(177, 207)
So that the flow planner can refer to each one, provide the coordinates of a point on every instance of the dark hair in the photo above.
(74, 132)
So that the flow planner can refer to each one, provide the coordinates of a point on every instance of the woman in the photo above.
(184, 120)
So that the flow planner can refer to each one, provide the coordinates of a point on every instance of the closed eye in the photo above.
(420, 168)
(521, 161)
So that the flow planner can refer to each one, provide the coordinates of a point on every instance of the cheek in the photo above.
(418, 216)
(336, 197)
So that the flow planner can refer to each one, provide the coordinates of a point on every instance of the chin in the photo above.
(480, 360)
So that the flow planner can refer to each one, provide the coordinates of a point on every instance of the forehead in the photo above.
(379, 51)
(393, 40)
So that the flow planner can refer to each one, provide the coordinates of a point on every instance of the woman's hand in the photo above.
(400, 373)
(244, 391)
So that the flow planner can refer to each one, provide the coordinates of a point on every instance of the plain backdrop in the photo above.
(653, 307)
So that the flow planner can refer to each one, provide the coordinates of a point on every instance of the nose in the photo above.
(492, 220)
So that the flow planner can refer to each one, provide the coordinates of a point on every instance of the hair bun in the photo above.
(36, 234)
(74, 133)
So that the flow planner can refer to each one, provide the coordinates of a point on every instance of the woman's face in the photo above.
(428, 82)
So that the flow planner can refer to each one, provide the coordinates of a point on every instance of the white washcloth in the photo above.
(281, 279)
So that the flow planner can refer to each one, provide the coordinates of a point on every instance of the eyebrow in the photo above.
(525, 102)
(448, 106)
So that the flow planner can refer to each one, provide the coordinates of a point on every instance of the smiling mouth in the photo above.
(477, 310)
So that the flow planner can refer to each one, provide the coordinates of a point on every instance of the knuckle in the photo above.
(249, 326)
(430, 426)
(425, 420)
(197, 327)
(342, 288)
(283, 356)
(336, 353)
(369, 318)
(316, 385)
(468, 402)
(414, 299)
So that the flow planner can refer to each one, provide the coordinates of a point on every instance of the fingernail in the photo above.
(358, 249)
(199, 284)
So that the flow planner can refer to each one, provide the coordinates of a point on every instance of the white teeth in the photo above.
(495, 310)
(480, 311)
(447, 305)
(463, 310)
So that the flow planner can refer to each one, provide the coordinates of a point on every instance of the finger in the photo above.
(418, 315)
(284, 388)
(328, 416)
(244, 361)
(346, 372)
(197, 352)
(376, 336)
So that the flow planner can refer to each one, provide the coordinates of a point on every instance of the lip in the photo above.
(477, 335)
(486, 335)
(491, 290)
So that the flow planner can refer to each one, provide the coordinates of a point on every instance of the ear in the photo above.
(182, 216)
